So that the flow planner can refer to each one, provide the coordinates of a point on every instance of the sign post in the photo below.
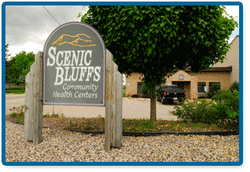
(74, 69)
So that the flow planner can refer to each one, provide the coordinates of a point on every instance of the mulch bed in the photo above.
(129, 125)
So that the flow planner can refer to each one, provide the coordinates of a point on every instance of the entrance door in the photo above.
(139, 88)
(187, 89)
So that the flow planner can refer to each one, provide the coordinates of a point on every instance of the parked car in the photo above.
(170, 93)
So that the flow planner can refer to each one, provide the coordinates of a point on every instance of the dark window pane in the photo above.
(201, 86)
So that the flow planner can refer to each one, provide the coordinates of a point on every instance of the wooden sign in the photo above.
(74, 66)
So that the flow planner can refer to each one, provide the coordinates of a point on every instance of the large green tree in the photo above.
(19, 66)
(157, 40)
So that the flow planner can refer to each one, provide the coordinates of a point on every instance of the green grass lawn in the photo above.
(14, 91)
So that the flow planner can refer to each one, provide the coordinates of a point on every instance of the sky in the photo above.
(27, 27)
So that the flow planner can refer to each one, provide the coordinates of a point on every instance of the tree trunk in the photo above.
(153, 109)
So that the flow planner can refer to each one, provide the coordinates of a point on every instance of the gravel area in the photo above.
(65, 146)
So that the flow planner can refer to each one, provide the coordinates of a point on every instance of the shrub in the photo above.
(223, 110)
(14, 114)
(197, 111)
(55, 115)
(219, 111)
(46, 116)
(20, 120)
(235, 86)
(22, 87)
(230, 99)
(233, 115)
(123, 94)
(135, 96)
(202, 97)
(215, 87)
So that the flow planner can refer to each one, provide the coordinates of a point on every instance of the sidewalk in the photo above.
(132, 108)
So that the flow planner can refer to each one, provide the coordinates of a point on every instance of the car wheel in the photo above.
(162, 100)
(158, 99)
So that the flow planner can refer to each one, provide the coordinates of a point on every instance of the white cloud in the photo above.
(233, 11)
(27, 47)
(43, 37)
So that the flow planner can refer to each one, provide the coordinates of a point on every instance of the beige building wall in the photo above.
(131, 83)
(222, 77)
(191, 88)
(232, 59)
(193, 78)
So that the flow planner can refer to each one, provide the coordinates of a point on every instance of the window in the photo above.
(201, 86)
(139, 88)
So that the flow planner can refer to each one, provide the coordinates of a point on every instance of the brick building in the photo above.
(196, 84)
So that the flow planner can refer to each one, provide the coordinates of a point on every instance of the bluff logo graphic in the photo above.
(74, 66)
(77, 40)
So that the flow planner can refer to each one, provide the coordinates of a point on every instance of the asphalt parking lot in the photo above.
(132, 108)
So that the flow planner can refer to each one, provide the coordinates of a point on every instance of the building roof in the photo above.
(237, 36)
(214, 69)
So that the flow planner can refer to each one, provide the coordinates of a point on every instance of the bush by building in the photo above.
(222, 110)
(215, 87)
(235, 86)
